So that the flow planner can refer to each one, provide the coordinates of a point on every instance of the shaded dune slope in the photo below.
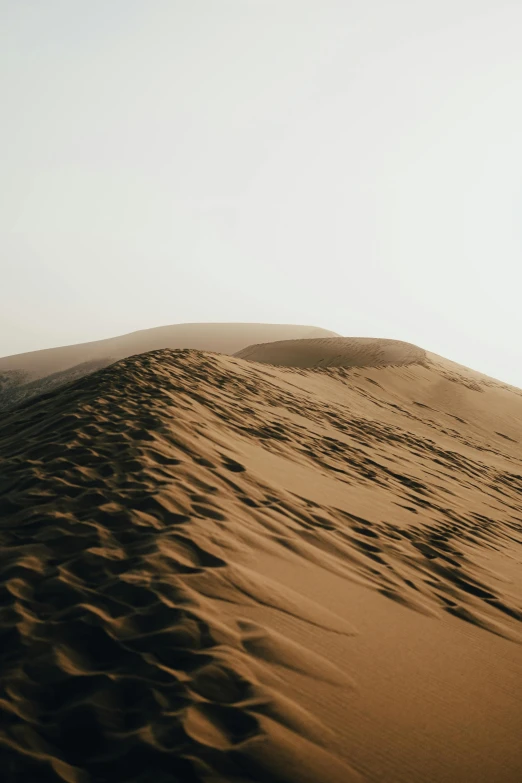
(136, 507)
(15, 388)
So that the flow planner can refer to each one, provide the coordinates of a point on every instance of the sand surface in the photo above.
(216, 569)
(28, 375)
(334, 352)
(220, 337)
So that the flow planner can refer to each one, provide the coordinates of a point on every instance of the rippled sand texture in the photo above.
(219, 570)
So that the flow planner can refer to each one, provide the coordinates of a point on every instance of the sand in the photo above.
(220, 337)
(218, 569)
(28, 375)
(334, 352)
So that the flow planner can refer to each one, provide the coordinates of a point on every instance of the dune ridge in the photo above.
(154, 516)
(27, 375)
(334, 352)
(219, 337)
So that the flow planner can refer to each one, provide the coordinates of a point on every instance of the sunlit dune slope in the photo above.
(219, 570)
(334, 352)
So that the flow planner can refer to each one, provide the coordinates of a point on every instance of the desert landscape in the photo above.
(261, 392)
(266, 554)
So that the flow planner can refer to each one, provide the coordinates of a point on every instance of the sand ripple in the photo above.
(131, 520)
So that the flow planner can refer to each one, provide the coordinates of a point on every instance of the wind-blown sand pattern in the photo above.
(220, 570)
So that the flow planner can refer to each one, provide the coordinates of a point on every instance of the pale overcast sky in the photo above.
(355, 165)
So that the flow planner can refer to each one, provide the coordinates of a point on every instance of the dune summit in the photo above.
(219, 570)
(26, 375)
(219, 337)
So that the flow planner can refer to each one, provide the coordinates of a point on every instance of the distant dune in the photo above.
(334, 352)
(27, 374)
(216, 570)
(220, 337)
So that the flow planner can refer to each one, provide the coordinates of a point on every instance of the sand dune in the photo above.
(218, 337)
(220, 570)
(334, 352)
(27, 375)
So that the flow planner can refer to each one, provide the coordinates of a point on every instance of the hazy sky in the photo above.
(355, 165)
